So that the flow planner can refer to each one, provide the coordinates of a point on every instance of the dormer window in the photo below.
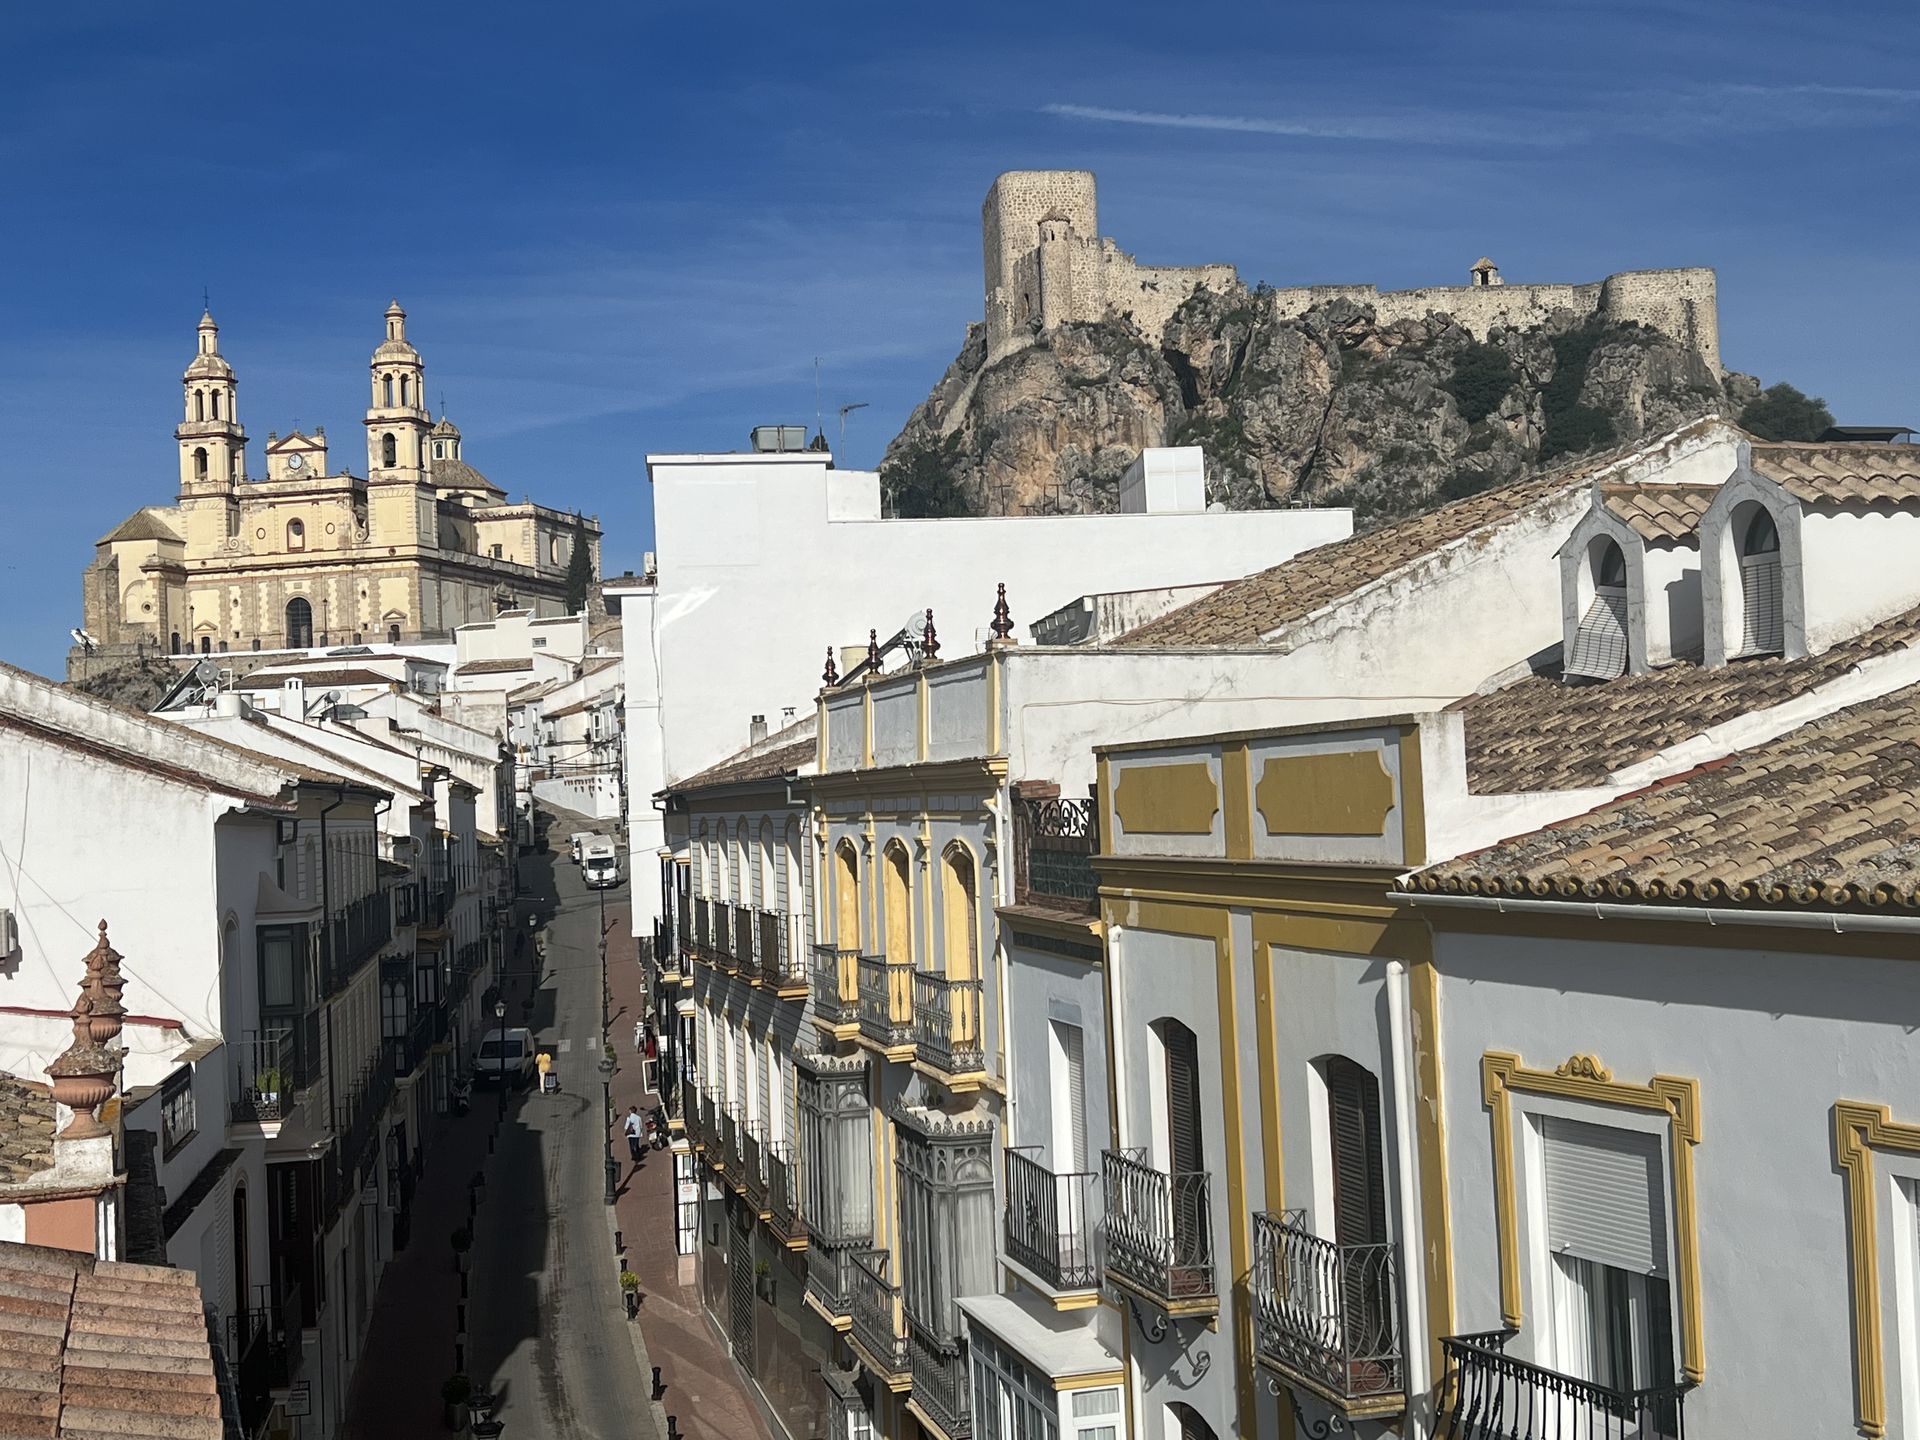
(1762, 622)
(1599, 649)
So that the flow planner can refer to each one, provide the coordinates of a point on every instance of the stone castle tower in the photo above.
(1047, 264)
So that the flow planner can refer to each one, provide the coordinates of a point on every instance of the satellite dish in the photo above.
(332, 697)
(206, 672)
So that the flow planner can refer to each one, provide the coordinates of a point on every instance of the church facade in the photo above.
(310, 555)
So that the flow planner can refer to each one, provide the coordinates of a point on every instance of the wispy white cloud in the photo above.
(1420, 129)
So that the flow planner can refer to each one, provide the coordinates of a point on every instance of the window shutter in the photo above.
(1072, 1046)
(1603, 1196)
(1600, 644)
(1186, 1154)
(1359, 1185)
(1762, 626)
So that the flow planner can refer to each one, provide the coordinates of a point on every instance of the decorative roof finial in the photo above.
(1002, 626)
(831, 675)
(84, 1073)
(873, 649)
(930, 642)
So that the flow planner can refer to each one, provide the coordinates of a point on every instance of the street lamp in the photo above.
(500, 1021)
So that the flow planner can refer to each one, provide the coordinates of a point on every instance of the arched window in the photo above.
(764, 884)
(697, 858)
(173, 643)
(213, 403)
(1186, 1423)
(742, 871)
(393, 634)
(846, 897)
(386, 393)
(791, 890)
(896, 897)
(1600, 644)
(960, 914)
(296, 535)
(1763, 621)
(206, 644)
(299, 623)
(389, 451)
(403, 390)
(553, 549)
(199, 404)
(1359, 1199)
(1184, 1150)
(439, 449)
(200, 462)
(242, 1269)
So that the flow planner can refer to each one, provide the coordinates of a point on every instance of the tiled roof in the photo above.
(749, 765)
(274, 679)
(1838, 473)
(1660, 512)
(1544, 734)
(144, 524)
(26, 1129)
(493, 667)
(1827, 815)
(1247, 611)
(91, 1349)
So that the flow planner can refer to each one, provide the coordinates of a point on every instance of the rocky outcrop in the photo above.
(1328, 408)
(139, 683)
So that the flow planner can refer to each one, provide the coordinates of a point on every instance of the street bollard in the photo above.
(659, 1386)
(673, 1427)
(613, 1178)
(619, 1240)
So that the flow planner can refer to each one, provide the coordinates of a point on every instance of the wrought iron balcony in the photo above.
(783, 1195)
(1497, 1397)
(702, 927)
(1055, 840)
(699, 1119)
(830, 1277)
(836, 984)
(886, 1000)
(753, 1172)
(265, 1075)
(874, 1304)
(720, 947)
(1159, 1233)
(782, 958)
(1051, 1222)
(743, 936)
(940, 1383)
(729, 1127)
(1327, 1316)
(947, 1023)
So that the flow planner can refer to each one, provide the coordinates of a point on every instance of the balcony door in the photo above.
(1359, 1219)
(1186, 1157)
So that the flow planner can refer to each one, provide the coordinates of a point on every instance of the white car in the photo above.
(505, 1057)
(600, 863)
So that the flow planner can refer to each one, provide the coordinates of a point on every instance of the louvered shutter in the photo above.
(1603, 1196)
(1359, 1188)
(1600, 644)
(1183, 1100)
(1073, 1048)
(1762, 624)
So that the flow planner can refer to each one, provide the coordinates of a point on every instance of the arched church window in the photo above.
(386, 394)
(439, 450)
(1763, 618)
(173, 643)
(199, 404)
(206, 644)
(403, 390)
(200, 462)
(389, 452)
(393, 634)
(299, 623)
(296, 535)
(213, 402)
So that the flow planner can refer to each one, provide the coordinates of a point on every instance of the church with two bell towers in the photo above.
(312, 556)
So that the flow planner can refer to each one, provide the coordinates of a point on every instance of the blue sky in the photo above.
(629, 227)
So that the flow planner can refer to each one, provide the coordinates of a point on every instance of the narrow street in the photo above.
(549, 1335)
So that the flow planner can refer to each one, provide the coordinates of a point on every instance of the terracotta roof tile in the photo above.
(273, 680)
(1544, 734)
(748, 765)
(1825, 815)
(1660, 512)
(493, 667)
(1841, 473)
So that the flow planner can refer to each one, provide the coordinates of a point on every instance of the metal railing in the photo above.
(836, 984)
(355, 936)
(265, 1075)
(753, 1172)
(1051, 1222)
(702, 926)
(409, 1051)
(947, 1023)
(830, 1277)
(783, 1193)
(940, 1382)
(1055, 840)
(1159, 1229)
(729, 1126)
(743, 937)
(874, 1304)
(1328, 1315)
(1498, 1397)
(886, 999)
(720, 946)
(782, 959)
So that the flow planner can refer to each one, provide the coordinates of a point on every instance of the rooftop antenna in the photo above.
(816, 395)
(846, 410)
(206, 304)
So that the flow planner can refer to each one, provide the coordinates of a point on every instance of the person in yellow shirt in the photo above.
(545, 1063)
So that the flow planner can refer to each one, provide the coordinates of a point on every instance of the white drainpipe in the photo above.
(1413, 1240)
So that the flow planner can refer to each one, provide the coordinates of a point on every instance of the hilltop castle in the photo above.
(1047, 264)
(422, 543)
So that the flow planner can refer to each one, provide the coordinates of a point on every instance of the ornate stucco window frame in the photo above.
(1860, 1128)
(1584, 1078)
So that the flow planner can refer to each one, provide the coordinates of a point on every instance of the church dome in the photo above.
(447, 429)
(209, 363)
(395, 346)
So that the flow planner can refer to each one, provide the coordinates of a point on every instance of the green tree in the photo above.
(579, 569)
(1482, 376)
(1781, 412)
(920, 484)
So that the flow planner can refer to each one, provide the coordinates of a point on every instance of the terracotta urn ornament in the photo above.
(83, 1076)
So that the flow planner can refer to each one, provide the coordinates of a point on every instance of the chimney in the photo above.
(757, 731)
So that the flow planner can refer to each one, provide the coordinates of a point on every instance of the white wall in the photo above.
(1856, 568)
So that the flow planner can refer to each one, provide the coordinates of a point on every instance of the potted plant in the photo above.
(630, 1291)
(462, 1246)
(456, 1392)
(763, 1280)
(267, 1084)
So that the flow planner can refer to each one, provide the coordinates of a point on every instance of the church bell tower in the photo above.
(212, 444)
(397, 418)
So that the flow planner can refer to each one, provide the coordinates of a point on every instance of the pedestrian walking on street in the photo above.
(634, 1128)
(547, 1082)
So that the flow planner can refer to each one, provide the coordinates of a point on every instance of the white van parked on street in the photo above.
(600, 863)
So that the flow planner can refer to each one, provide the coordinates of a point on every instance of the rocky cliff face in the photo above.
(1329, 408)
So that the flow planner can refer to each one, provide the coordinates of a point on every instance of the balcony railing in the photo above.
(830, 1277)
(782, 959)
(939, 1369)
(1498, 1397)
(743, 937)
(753, 1172)
(1327, 1316)
(874, 1304)
(1159, 1231)
(1055, 840)
(886, 1000)
(702, 925)
(699, 1119)
(720, 947)
(1051, 1222)
(260, 1343)
(947, 1023)
(407, 1052)
(729, 1124)
(355, 936)
(836, 984)
(783, 1194)
(266, 1066)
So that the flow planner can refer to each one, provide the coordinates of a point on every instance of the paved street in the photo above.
(549, 1334)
